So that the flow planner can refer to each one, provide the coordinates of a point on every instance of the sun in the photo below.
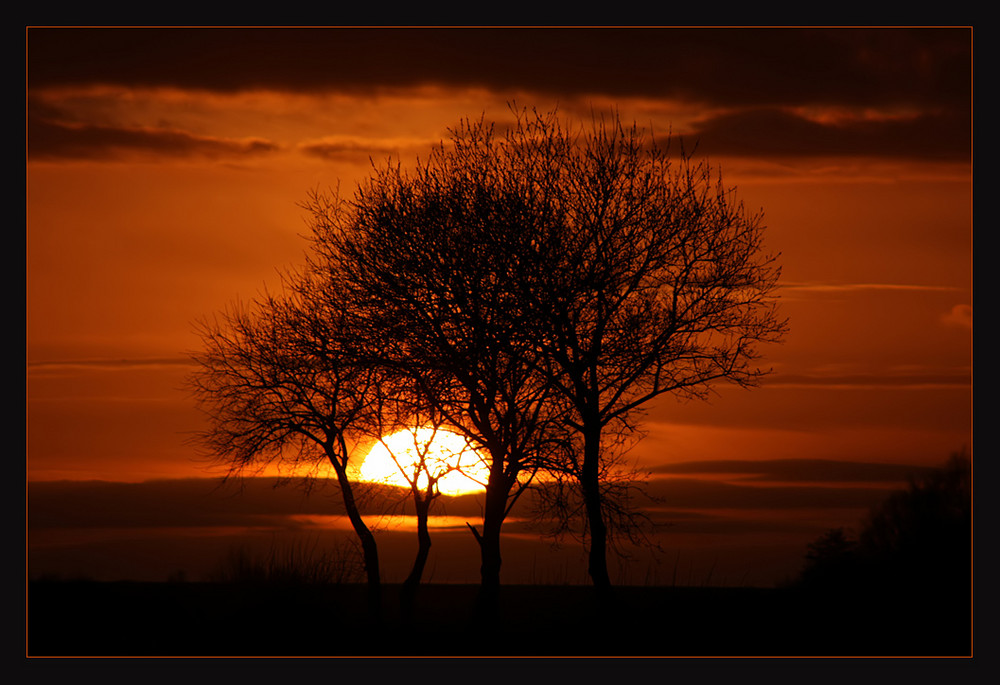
(444, 453)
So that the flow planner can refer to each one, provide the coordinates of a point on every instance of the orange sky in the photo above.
(164, 170)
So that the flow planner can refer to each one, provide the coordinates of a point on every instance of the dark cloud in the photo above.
(154, 504)
(48, 139)
(956, 379)
(352, 149)
(799, 470)
(154, 528)
(782, 134)
(682, 522)
(684, 493)
(757, 74)
(268, 502)
(205, 502)
(713, 66)
(134, 363)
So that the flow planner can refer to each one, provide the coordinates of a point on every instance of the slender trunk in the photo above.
(590, 483)
(408, 593)
(369, 548)
(370, 551)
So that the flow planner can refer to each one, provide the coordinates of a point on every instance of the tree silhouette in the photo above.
(922, 536)
(641, 275)
(531, 291)
(422, 468)
(584, 273)
(918, 540)
(904, 582)
(543, 283)
(427, 260)
(831, 559)
(281, 386)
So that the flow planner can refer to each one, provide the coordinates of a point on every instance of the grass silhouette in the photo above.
(302, 562)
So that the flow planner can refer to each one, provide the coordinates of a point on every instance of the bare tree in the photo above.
(292, 381)
(640, 275)
(427, 262)
(531, 291)
(547, 281)
(280, 387)
(422, 458)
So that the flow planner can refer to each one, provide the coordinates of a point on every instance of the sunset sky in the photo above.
(165, 168)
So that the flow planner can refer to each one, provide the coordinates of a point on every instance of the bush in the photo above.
(918, 538)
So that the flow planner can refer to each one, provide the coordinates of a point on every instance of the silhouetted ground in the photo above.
(80, 618)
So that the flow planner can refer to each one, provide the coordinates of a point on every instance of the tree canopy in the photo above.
(531, 289)
(543, 284)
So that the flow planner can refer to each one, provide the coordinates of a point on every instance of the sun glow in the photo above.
(413, 455)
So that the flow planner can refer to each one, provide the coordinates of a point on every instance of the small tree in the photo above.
(422, 468)
(280, 385)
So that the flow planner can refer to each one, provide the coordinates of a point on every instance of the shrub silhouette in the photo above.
(831, 559)
(919, 539)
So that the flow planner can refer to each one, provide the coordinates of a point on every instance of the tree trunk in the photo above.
(590, 483)
(369, 548)
(370, 551)
(489, 548)
(408, 592)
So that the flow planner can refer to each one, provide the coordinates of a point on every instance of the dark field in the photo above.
(81, 618)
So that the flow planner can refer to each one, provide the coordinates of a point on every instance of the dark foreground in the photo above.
(74, 619)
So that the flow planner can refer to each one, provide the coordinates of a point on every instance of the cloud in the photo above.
(693, 493)
(722, 66)
(792, 287)
(774, 93)
(779, 133)
(165, 503)
(351, 147)
(958, 379)
(104, 363)
(48, 140)
(960, 316)
(798, 470)
(205, 502)
(265, 502)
